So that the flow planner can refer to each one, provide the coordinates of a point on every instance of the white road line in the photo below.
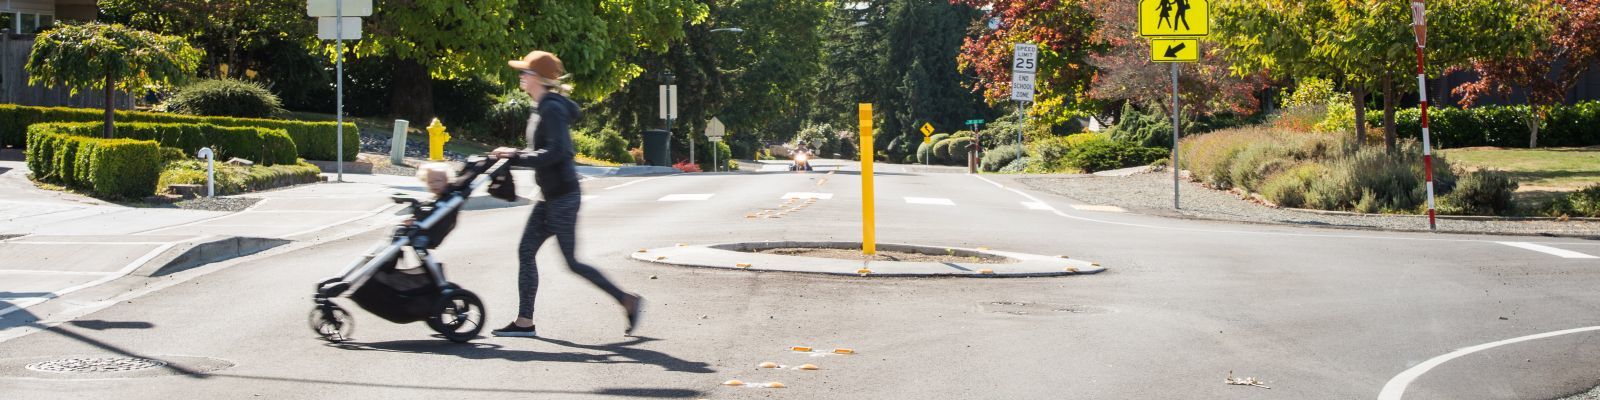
(1085, 207)
(1547, 250)
(930, 201)
(807, 195)
(1397, 385)
(326, 226)
(687, 197)
(37, 272)
(128, 269)
(1034, 205)
(1237, 232)
(774, 168)
(588, 197)
(640, 181)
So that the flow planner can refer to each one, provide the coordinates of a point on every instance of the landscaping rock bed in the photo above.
(228, 204)
(379, 144)
(1151, 193)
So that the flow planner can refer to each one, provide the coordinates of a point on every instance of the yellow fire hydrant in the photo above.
(436, 140)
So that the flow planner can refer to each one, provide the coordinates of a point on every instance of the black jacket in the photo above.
(552, 158)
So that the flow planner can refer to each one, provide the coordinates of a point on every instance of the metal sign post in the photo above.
(669, 111)
(1174, 27)
(1419, 27)
(339, 20)
(714, 133)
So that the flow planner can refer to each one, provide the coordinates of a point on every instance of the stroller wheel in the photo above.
(332, 323)
(458, 316)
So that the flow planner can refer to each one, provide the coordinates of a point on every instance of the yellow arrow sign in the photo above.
(1175, 50)
(927, 129)
(1183, 18)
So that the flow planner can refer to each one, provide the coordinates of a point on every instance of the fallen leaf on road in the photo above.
(1246, 381)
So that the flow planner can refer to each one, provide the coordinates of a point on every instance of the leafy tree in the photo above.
(767, 66)
(1124, 73)
(1065, 32)
(1368, 44)
(237, 33)
(110, 58)
(1551, 71)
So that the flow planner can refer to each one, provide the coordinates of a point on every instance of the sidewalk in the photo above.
(54, 243)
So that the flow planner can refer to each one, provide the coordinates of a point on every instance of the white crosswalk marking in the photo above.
(1548, 250)
(930, 201)
(774, 168)
(1114, 209)
(1034, 205)
(687, 197)
(807, 195)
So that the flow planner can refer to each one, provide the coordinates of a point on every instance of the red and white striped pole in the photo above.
(1419, 25)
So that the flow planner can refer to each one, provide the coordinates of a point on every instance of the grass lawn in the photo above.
(1543, 174)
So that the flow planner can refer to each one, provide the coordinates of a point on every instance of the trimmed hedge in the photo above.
(1500, 126)
(261, 145)
(313, 140)
(123, 168)
(235, 179)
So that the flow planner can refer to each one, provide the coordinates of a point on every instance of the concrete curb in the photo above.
(737, 256)
(205, 251)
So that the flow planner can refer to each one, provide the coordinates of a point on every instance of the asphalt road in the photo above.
(1311, 313)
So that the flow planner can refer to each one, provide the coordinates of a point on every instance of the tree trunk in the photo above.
(1389, 134)
(1358, 99)
(411, 94)
(1534, 118)
(110, 106)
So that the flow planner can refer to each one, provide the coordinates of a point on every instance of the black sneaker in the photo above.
(512, 330)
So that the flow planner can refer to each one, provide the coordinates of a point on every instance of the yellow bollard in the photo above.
(436, 140)
(869, 228)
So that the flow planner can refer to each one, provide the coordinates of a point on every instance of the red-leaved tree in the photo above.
(1064, 31)
(1550, 72)
(1125, 72)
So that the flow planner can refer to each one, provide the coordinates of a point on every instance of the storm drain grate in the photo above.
(96, 365)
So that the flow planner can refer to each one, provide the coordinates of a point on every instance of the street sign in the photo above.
(715, 130)
(1025, 58)
(1175, 50)
(973, 122)
(669, 101)
(927, 129)
(328, 28)
(1022, 86)
(331, 8)
(1180, 18)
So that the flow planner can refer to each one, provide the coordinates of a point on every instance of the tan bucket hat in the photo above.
(543, 63)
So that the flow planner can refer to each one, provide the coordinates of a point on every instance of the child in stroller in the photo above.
(381, 282)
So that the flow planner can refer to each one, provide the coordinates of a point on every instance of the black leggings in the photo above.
(554, 217)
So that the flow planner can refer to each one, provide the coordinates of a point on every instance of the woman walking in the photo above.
(550, 153)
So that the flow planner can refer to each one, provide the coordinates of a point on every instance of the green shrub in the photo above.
(507, 122)
(235, 179)
(1501, 126)
(1106, 154)
(1151, 128)
(960, 148)
(941, 151)
(1052, 153)
(998, 158)
(1482, 192)
(924, 151)
(312, 140)
(114, 168)
(266, 146)
(464, 103)
(936, 138)
(169, 154)
(225, 98)
(1021, 164)
(1309, 92)
(1582, 203)
(1290, 188)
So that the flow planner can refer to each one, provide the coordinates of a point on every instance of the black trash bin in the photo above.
(657, 148)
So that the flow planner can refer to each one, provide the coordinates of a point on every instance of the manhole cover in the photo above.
(96, 365)
(1037, 309)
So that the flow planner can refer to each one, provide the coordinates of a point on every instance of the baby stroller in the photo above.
(378, 283)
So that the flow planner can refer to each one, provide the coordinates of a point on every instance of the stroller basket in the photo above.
(400, 296)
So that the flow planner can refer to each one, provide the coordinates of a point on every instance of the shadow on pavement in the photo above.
(614, 353)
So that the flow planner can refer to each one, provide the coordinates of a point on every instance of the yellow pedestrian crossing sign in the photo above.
(1180, 18)
(1174, 50)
